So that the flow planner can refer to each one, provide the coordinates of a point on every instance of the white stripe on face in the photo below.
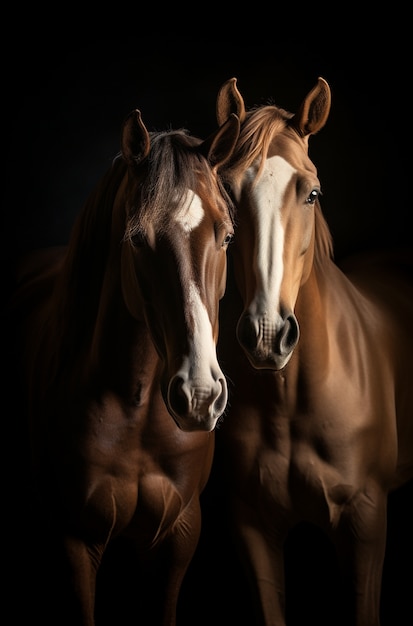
(191, 212)
(267, 200)
(203, 348)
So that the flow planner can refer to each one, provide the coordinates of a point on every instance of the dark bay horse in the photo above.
(319, 427)
(118, 341)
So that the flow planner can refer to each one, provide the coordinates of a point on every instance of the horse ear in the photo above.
(218, 147)
(314, 110)
(229, 100)
(135, 141)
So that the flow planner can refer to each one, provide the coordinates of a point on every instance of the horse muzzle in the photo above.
(268, 344)
(196, 405)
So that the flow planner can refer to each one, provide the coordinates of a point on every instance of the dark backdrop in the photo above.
(68, 101)
(65, 106)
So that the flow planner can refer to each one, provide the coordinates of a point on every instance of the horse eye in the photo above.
(228, 239)
(313, 196)
(138, 240)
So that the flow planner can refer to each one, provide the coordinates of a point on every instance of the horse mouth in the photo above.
(261, 360)
(267, 345)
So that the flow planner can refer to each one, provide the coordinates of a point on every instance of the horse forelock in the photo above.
(261, 125)
(174, 166)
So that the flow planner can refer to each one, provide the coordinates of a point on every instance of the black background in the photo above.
(66, 100)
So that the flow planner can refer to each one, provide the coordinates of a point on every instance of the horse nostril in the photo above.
(288, 335)
(247, 333)
(222, 398)
(178, 398)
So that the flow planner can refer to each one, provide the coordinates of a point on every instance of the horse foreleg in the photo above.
(263, 558)
(361, 544)
(179, 548)
(83, 562)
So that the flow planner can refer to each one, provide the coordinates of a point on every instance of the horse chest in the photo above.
(303, 475)
(295, 447)
(159, 506)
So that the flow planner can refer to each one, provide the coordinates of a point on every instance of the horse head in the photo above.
(275, 188)
(178, 227)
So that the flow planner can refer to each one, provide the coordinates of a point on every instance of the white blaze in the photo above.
(267, 199)
(191, 212)
(203, 347)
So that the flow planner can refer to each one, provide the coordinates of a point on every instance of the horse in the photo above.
(319, 425)
(117, 335)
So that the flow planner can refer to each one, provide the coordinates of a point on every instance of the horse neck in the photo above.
(98, 335)
(117, 336)
(318, 307)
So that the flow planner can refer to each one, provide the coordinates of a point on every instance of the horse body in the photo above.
(119, 334)
(319, 426)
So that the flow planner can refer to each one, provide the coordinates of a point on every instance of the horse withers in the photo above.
(319, 427)
(118, 335)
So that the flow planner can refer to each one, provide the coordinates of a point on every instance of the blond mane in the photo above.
(261, 125)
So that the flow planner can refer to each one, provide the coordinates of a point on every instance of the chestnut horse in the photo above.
(123, 384)
(319, 427)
